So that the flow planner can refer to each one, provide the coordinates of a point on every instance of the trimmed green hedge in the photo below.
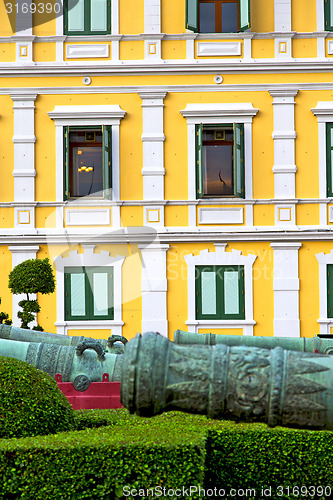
(283, 459)
(30, 401)
(170, 451)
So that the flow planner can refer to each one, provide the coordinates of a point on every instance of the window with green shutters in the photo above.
(87, 17)
(329, 158)
(220, 160)
(87, 162)
(218, 16)
(219, 292)
(89, 293)
(328, 12)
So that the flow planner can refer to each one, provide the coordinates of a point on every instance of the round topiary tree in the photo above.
(31, 276)
(31, 403)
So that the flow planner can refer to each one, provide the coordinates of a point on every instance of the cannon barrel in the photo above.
(275, 386)
(24, 335)
(80, 364)
(317, 344)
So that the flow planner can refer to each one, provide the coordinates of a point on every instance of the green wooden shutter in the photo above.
(330, 290)
(329, 158)
(107, 161)
(233, 292)
(328, 13)
(244, 15)
(239, 190)
(198, 159)
(192, 15)
(66, 163)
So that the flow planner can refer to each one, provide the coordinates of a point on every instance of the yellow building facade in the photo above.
(173, 159)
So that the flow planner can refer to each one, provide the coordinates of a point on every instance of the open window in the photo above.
(87, 17)
(89, 293)
(87, 161)
(220, 292)
(220, 160)
(218, 16)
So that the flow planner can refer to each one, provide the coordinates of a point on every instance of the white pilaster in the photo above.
(153, 150)
(282, 15)
(286, 290)
(153, 36)
(24, 172)
(24, 37)
(284, 168)
(20, 254)
(154, 288)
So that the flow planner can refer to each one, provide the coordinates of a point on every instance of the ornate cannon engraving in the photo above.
(279, 387)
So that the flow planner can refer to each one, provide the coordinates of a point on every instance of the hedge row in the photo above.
(118, 452)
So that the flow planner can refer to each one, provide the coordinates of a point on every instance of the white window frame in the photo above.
(89, 259)
(324, 113)
(86, 116)
(220, 258)
(219, 114)
(114, 20)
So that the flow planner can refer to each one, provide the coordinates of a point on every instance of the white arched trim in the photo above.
(89, 259)
(220, 257)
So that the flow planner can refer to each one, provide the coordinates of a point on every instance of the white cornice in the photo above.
(218, 111)
(90, 112)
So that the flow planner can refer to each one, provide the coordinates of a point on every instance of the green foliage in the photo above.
(281, 459)
(31, 276)
(114, 449)
(30, 401)
(4, 317)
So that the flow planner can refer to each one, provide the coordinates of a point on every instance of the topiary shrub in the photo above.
(31, 403)
(31, 276)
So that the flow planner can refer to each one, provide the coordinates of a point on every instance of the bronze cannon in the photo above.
(81, 364)
(322, 344)
(275, 386)
(112, 344)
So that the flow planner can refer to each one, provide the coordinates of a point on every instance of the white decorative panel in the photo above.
(330, 47)
(221, 215)
(93, 217)
(82, 51)
(219, 49)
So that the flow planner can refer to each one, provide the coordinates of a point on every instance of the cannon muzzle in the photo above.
(322, 345)
(276, 386)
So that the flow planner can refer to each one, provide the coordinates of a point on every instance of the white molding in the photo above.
(91, 51)
(153, 138)
(282, 15)
(221, 215)
(320, 15)
(324, 113)
(91, 217)
(217, 114)
(85, 116)
(89, 259)
(221, 257)
(325, 322)
(284, 136)
(219, 49)
(286, 289)
(154, 288)
(24, 148)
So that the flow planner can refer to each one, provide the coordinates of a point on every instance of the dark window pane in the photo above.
(217, 170)
(86, 163)
(229, 17)
(207, 17)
